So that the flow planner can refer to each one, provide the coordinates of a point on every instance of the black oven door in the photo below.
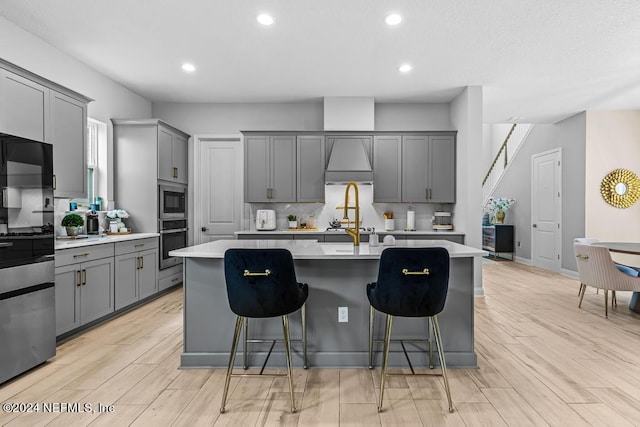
(26, 201)
(173, 235)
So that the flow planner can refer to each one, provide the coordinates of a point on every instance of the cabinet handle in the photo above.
(78, 278)
(54, 182)
(81, 255)
(141, 262)
(175, 172)
(175, 279)
(84, 277)
(137, 263)
(139, 245)
(429, 194)
(426, 193)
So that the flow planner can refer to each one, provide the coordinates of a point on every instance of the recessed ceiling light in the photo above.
(393, 19)
(405, 68)
(265, 19)
(189, 68)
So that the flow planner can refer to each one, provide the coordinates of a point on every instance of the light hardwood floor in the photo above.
(542, 361)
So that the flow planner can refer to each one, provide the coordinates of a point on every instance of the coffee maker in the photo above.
(93, 225)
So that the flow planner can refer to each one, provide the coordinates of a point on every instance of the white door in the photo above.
(546, 210)
(218, 186)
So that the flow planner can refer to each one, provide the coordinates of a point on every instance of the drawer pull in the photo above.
(139, 245)
(175, 279)
(424, 272)
(248, 273)
(81, 255)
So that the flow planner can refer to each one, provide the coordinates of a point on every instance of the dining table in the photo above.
(629, 248)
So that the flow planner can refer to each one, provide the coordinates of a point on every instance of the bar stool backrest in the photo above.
(262, 282)
(412, 282)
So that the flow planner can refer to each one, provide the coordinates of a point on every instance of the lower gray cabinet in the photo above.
(83, 293)
(136, 271)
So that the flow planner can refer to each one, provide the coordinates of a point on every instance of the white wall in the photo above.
(111, 100)
(412, 116)
(466, 117)
(612, 142)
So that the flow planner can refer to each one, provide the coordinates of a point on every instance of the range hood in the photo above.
(349, 156)
(348, 161)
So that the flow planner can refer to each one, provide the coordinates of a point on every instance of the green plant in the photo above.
(291, 217)
(72, 220)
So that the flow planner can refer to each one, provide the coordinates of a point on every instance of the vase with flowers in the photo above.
(499, 206)
(115, 218)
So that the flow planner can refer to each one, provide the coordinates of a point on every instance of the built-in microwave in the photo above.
(173, 201)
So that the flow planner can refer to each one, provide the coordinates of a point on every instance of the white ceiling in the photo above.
(541, 60)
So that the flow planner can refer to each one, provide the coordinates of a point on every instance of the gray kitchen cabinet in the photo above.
(387, 166)
(428, 169)
(343, 238)
(68, 133)
(172, 155)
(83, 292)
(304, 235)
(24, 106)
(456, 238)
(136, 270)
(262, 236)
(270, 168)
(310, 168)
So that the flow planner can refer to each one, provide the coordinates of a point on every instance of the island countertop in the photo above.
(311, 249)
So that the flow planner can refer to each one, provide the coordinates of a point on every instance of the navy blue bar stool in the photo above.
(412, 282)
(262, 283)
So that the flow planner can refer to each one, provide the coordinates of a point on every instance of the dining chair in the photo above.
(597, 269)
(261, 283)
(584, 241)
(411, 282)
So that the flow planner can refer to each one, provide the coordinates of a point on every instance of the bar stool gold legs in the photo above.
(385, 359)
(240, 322)
(245, 348)
(371, 319)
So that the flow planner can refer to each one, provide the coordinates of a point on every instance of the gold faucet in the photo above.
(353, 232)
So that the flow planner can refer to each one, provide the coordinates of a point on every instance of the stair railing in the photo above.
(503, 148)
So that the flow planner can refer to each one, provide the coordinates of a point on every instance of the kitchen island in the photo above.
(337, 274)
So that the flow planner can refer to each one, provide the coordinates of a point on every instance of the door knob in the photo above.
(535, 225)
(204, 229)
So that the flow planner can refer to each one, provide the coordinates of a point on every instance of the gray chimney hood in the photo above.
(348, 161)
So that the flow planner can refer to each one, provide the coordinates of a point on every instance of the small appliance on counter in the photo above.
(441, 220)
(93, 224)
(265, 219)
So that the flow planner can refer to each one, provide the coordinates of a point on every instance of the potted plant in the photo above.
(72, 222)
(292, 221)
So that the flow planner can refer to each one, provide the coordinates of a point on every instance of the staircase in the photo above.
(503, 158)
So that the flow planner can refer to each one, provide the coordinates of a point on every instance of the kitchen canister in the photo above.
(389, 224)
(411, 219)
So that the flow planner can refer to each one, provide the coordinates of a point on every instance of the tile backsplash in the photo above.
(322, 214)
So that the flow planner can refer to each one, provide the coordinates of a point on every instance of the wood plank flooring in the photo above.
(543, 362)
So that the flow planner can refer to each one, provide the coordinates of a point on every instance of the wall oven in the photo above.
(27, 281)
(173, 201)
(173, 235)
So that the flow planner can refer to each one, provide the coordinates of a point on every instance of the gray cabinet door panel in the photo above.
(310, 168)
(179, 151)
(387, 164)
(24, 107)
(415, 177)
(96, 293)
(68, 135)
(442, 169)
(341, 238)
(147, 274)
(256, 168)
(165, 154)
(126, 291)
(283, 168)
(67, 295)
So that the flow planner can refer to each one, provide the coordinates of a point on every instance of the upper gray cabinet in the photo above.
(310, 168)
(172, 155)
(24, 106)
(36, 108)
(270, 168)
(428, 169)
(387, 166)
(68, 132)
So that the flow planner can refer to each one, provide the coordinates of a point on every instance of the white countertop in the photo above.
(99, 240)
(394, 232)
(311, 249)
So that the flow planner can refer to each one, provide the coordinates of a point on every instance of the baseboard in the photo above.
(569, 273)
(525, 261)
